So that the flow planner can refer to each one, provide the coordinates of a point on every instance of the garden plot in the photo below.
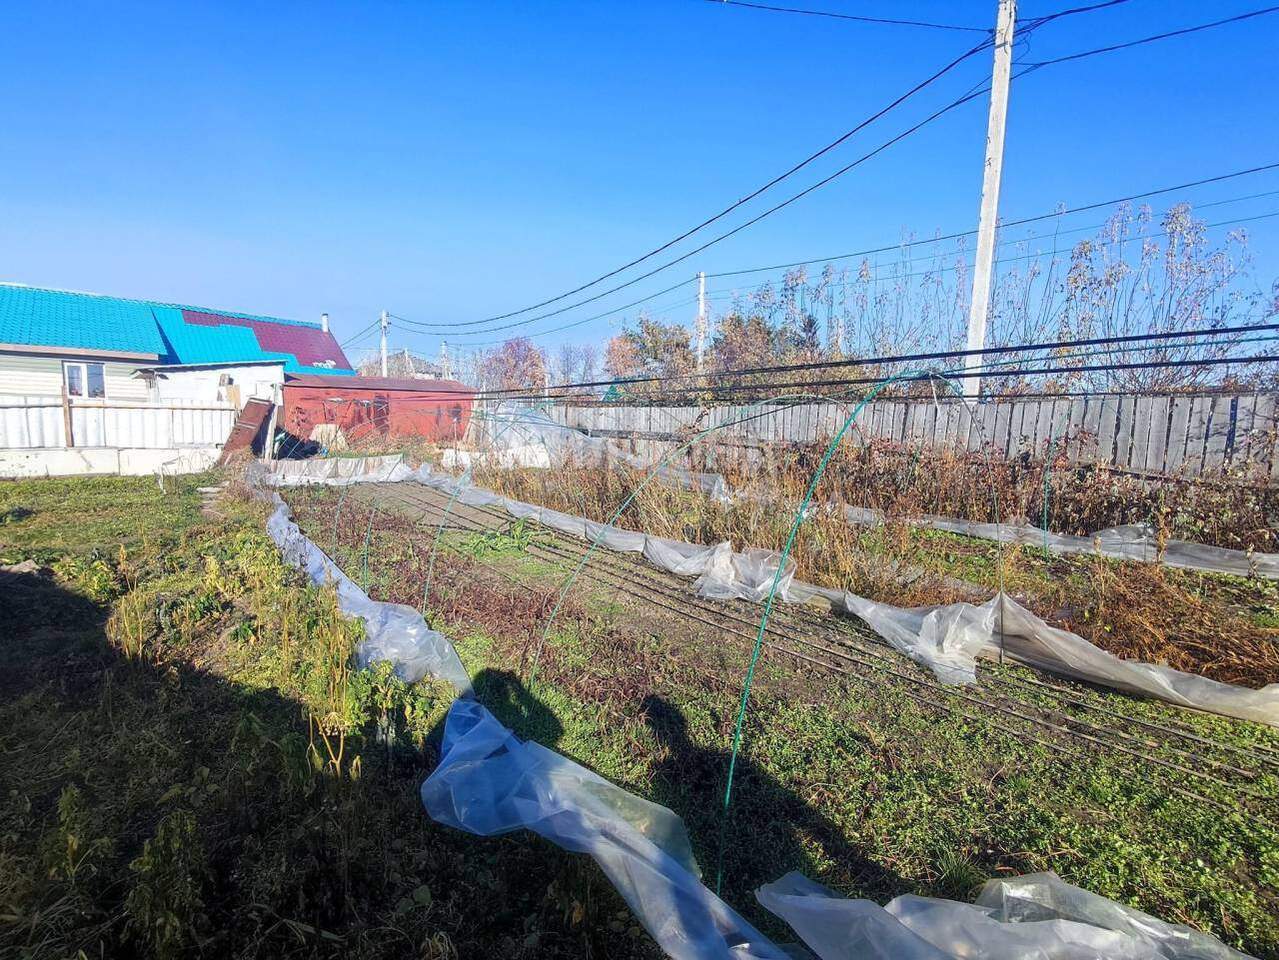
(859, 769)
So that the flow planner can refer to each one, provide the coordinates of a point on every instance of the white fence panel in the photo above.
(28, 423)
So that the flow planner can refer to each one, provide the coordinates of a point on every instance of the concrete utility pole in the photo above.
(980, 306)
(385, 324)
(446, 364)
(701, 319)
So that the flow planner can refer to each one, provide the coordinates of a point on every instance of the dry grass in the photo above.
(1136, 611)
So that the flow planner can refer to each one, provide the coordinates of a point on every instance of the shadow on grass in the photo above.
(255, 849)
(769, 829)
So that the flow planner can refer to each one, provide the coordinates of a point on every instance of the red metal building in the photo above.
(368, 407)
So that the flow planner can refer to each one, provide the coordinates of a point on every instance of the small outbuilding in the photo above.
(376, 407)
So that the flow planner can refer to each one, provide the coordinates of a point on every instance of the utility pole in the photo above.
(446, 364)
(701, 319)
(980, 307)
(385, 324)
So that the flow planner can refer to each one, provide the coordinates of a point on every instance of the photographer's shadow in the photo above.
(768, 831)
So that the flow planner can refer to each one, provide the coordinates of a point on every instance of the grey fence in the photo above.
(1177, 435)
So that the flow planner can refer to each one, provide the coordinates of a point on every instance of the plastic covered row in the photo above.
(393, 632)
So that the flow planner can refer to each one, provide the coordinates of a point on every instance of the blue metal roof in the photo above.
(175, 334)
(54, 318)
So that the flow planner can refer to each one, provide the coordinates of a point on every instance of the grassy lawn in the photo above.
(850, 779)
(82, 514)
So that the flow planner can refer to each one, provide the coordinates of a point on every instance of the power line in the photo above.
(359, 335)
(1029, 256)
(821, 183)
(450, 328)
(1172, 335)
(724, 236)
(736, 204)
(1035, 65)
(567, 326)
(853, 17)
(1050, 17)
(1004, 226)
(425, 329)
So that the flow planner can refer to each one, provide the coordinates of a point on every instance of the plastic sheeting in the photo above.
(338, 471)
(1035, 917)
(1129, 542)
(522, 436)
(948, 639)
(490, 782)
(393, 632)
(721, 573)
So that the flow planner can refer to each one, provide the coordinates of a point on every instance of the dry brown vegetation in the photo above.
(1219, 627)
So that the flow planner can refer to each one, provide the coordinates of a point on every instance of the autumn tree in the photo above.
(515, 365)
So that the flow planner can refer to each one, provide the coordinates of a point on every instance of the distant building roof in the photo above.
(174, 334)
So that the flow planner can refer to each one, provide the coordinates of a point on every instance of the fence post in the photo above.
(68, 434)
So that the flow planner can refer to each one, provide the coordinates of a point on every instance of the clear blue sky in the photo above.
(449, 161)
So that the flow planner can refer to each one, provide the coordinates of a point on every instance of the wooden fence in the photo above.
(1177, 435)
(36, 423)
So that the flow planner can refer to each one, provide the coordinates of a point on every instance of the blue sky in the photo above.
(450, 161)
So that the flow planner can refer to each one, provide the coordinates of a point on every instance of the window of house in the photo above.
(85, 380)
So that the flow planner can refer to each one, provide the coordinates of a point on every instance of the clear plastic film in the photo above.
(490, 782)
(1035, 917)
(393, 632)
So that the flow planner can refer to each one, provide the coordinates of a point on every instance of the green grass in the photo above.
(81, 514)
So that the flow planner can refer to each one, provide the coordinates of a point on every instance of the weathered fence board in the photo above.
(1186, 435)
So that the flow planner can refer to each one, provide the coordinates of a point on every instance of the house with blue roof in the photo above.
(56, 343)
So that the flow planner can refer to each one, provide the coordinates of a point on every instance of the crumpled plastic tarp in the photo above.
(947, 639)
(338, 471)
(721, 573)
(1034, 917)
(521, 436)
(490, 782)
(1127, 542)
(393, 632)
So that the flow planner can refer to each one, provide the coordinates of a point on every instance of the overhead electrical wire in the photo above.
(957, 235)
(1056, 345)
(1151, 39)
(430, 329)
(964, 99)
(453, 329)
(737, 203)
(566, 326)
(1013, 259)
(854, 17)
(361, 334)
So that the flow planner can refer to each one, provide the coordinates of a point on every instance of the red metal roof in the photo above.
(348, 384)
(312, 346)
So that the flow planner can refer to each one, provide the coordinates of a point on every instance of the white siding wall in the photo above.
(122, 385)
(30, 376)
(42, 377)
(256, 380)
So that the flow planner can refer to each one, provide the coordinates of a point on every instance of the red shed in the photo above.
(365, 407)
